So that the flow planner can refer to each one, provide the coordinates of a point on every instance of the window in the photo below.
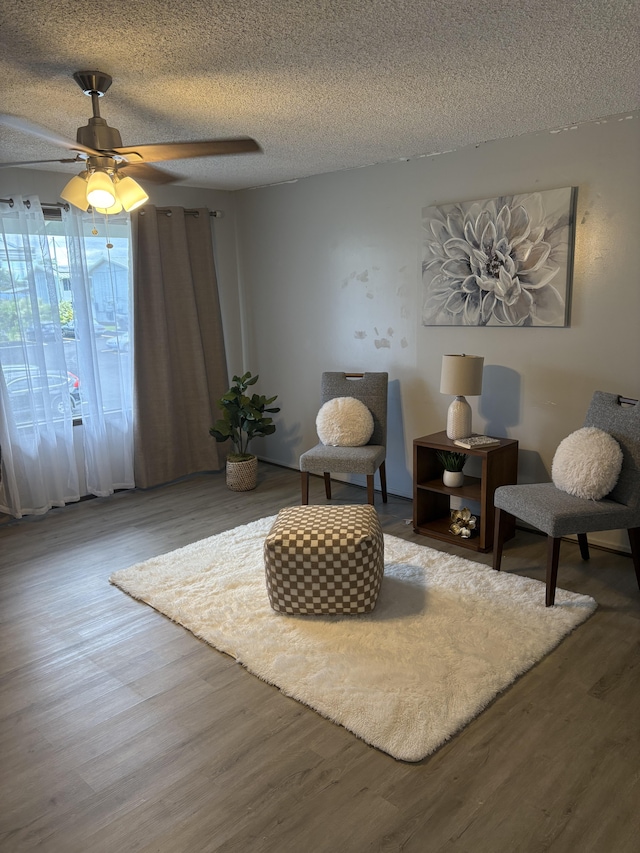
(90, 276)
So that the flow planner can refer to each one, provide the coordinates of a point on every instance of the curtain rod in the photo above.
(27, 203)
(167, 210)
(216, 213)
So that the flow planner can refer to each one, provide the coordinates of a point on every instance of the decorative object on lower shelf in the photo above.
(462, 522)
(453, 464)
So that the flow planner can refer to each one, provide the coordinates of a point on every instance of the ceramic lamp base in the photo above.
(459, 419)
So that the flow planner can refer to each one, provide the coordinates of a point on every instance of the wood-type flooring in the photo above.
(123, 732)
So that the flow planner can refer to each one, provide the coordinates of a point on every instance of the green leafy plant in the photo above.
(243, 417)
(66, 311)
(451, 460)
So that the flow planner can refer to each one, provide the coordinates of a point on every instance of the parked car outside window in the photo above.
(48, 332)
(120, 342)
(69, 329)
(25, 383)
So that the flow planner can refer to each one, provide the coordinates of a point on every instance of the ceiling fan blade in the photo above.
(22, 124)
(35, 162)
(183, 150)
(143, 172)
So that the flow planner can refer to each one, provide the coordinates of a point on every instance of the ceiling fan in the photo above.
(109, 167)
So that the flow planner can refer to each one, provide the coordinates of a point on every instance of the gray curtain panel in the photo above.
(178, 346)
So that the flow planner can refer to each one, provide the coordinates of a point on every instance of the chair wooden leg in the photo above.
(327, 485)
(500, 527)
(304, 482)
(553, 554)
(370, 490)
(584, 545)
(383, 481)
(634, 541)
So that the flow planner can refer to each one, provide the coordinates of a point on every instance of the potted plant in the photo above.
(243, 418)
(453, 464)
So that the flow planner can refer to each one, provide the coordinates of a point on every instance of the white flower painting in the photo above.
(502, 261)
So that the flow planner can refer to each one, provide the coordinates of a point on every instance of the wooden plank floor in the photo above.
(123, 732)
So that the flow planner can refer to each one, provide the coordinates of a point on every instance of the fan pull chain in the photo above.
(95, 231)
(106, 231)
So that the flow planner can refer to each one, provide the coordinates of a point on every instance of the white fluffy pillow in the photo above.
(587, 463)
(344, 422)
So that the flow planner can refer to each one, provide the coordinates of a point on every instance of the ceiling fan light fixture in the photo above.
(130, 193)
(101, 147)
(75, 192)
(100, 190)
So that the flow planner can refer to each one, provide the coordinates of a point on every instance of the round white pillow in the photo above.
(587, 463)
(344, 422)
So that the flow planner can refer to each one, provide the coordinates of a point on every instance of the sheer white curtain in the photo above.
(105, 373)
(36, 432)
(47, 378)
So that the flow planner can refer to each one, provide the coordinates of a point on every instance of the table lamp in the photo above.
(461, 376)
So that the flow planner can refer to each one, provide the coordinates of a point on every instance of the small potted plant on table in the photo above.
(453, 463)
(243, 418)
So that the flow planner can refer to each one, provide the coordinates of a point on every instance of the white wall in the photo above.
(330, 266)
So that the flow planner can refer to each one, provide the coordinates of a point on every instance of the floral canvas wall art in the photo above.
(502, 261)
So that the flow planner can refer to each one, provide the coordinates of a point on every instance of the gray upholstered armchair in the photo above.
(560, 514)
(371, 389)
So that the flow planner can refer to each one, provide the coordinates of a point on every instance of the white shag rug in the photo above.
(446, 636)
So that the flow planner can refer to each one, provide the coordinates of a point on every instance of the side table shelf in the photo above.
(432, 499)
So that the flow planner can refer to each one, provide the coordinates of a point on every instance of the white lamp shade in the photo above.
(116, 207)
(100, 190)
(461, 375)
(75, 191)
(130, 193)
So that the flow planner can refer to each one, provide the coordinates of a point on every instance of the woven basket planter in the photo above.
(242, 476)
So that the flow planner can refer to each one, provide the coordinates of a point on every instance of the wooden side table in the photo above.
(432, 499)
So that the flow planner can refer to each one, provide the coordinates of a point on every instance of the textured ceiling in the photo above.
(323, 85)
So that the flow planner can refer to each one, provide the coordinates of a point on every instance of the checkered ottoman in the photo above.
(324, 560)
